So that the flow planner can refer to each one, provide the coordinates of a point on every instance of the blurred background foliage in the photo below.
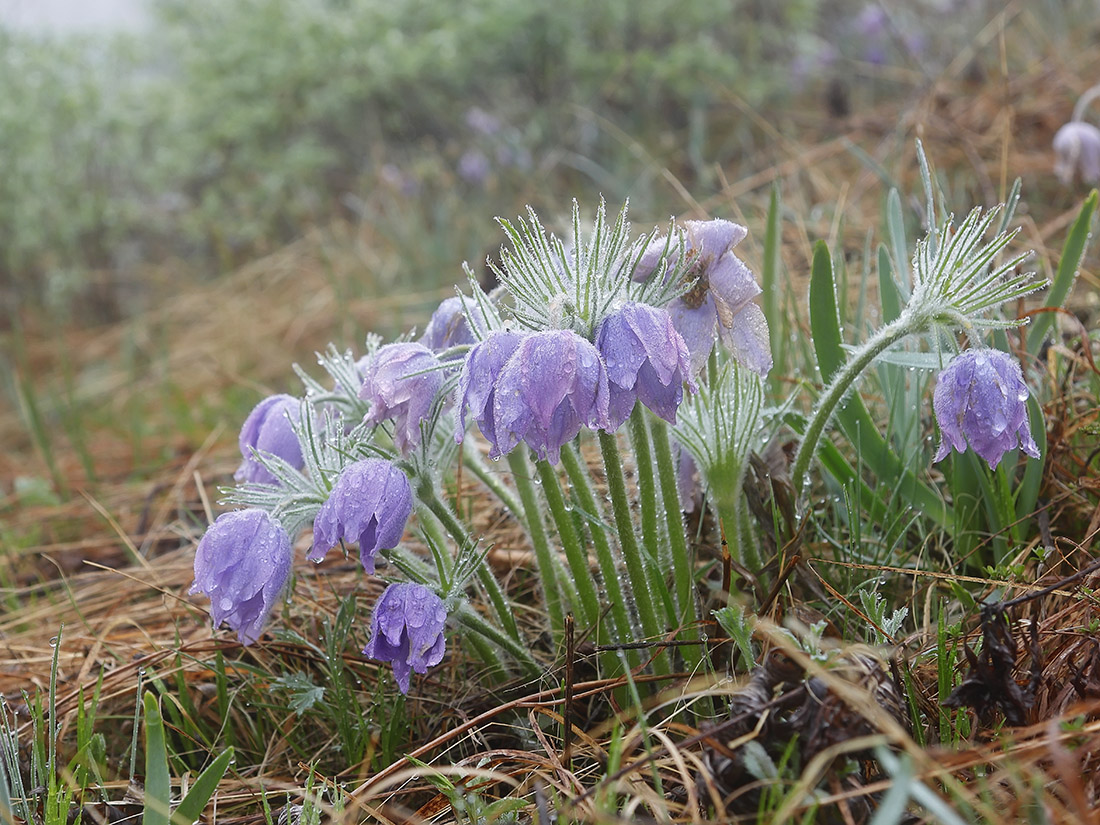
(227, 129)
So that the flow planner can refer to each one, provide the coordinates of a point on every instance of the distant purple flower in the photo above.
(369, 505)
(401, 382)
(647, 360)
(477, 382)
(981, 399)
(449, 327)
(1077, 150)
(554, 384)
(482, 122)
(407, 631)
(719, 303)
(242, 564)
(268, 430)
(474, 167)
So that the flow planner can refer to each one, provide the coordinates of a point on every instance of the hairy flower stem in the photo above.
(471, 619)
(906, 324)
(540, 542)
(682, 566)
(647, 494)
(485, 576)
(628, 540)
(574, 551)
(579, 479)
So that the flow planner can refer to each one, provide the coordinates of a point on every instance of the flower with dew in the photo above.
(370, 504)
(242, 564)
(407, 631)
(981, 399)
(647, 360)
(553, 384)
(269, 429)
(1077, 151)
(401, 382)
(477, 382)
(718, 301)
(450, 327)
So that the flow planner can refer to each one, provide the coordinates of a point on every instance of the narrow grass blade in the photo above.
(1072, 252)
(157, 782)
(769, 276)
(192, 805)
(889, 294)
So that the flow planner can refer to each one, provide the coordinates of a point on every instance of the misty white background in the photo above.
(73, 15)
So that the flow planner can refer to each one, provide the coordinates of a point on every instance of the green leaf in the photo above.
(899, 246)
(1072, 252)
(304, 694)
(769, 276)
(853, 418)
(888, 291)
(157, 782)
(192, 805)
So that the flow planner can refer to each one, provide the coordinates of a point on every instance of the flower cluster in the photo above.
(576, 337)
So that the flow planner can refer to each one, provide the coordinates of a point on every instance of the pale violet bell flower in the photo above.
(449, 326)
(406, 630)
(242, 565)
(369, 505)
(646, 359)
(718, 305)
(268, 429)
(477, 383)
(1077, 151)
(401, 382)
(554, 383)
(981, 400)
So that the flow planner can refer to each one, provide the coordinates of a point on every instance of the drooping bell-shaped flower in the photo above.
(554, 384)
(1077, 151)
(981, 400)
(477, 382)
(370, 504)
(718, 305)
(401, 382)
(449, 326)
(407, 631)
(242, 564)
(647, 360)
(268, 429)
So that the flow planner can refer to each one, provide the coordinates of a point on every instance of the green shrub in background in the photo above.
(229, 127)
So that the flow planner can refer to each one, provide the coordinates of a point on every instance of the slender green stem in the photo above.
(574, 551)
(628, 541)
(605, 555)
(473, 461)
(540, 542)
(647, 488)
(842, 384)
(485, 576)
(683, 568)
(470, 618)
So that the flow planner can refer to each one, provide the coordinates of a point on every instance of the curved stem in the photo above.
(473, 620)
(1084, 100)
(605, 556)
(472, 459)
(574, 552)
(842, 384)
(628, 540)
(540, 542)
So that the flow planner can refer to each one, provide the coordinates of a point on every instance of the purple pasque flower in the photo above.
(718, 303)
(449, 326)
(242, 564)
(268, 429)
(401, 382)
(477, 382)
(406, 629)
(554, 384)
(647, 360)
(370, 504)
(1077, 150)
(981, 399)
